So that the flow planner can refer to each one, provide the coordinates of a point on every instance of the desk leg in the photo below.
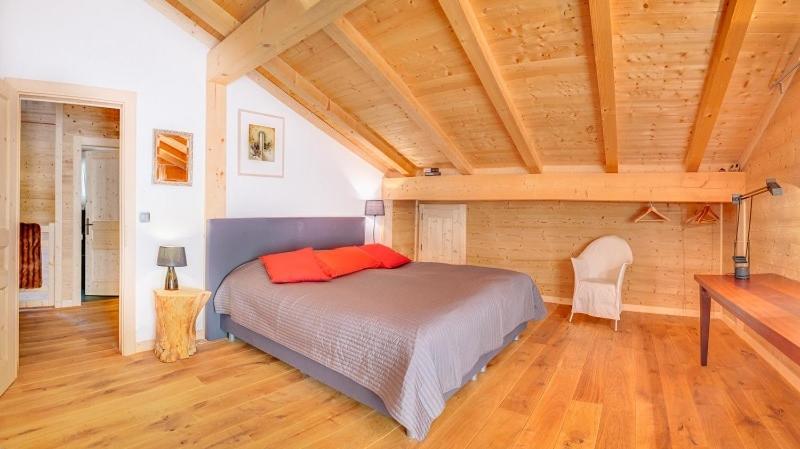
(705, 321)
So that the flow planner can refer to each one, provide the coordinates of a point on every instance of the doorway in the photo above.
(69, 204)
(99, 231)
(12, 93)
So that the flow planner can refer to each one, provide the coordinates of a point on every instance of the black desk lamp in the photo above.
(374, 208)
(741, 246)
(171, 257)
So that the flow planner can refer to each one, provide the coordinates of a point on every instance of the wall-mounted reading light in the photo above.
(741, 246)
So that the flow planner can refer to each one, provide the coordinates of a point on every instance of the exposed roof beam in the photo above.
(465, 24)
(712, 187)
(774, 103)
(600, 13)
(368, 58)
(285, 77)
(732, 29)
(212, 14)
(275, 27)
(300, 108)
(379, 153)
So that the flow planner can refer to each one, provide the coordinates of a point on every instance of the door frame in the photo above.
(125, 101)
(78, 144)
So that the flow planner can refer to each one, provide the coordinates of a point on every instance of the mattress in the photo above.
(409, 335)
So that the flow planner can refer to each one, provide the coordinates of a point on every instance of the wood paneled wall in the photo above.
(404, 219)
(87, 121)
(37, 162)
(775, 229)
(539, 238)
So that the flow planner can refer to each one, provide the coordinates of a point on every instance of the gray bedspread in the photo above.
(408, 334)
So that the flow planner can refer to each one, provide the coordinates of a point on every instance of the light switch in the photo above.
(144, 217)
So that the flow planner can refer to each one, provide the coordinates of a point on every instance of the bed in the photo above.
(401, 341)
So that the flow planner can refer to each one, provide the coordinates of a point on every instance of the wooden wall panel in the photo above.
(404, 219)
(775, 230)
(773, 33)
(84, 121)
(37, 162)
(539, 237)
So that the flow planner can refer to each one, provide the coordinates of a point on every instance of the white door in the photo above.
(9, 277)
(443, 233)
(102, 223)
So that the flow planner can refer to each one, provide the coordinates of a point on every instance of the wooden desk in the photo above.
(767, 303)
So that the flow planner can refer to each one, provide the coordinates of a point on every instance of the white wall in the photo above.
(321, 177)
(126, 44)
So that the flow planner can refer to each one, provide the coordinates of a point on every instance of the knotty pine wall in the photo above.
(403, 229)
(37, 162)
(87, 121)
(775, 229)
(539, 238)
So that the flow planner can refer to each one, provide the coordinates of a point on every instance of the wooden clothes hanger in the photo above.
(658, 216)
(704, 216)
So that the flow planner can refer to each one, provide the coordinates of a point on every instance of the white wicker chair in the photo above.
(599, 272)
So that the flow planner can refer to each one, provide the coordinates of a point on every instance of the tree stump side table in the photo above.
(176, 313)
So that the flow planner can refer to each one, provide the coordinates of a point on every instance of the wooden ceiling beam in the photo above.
(712, 187)
(284, 76)
(600, 14)
(466, 27)
(367, 57)
(212, 14)
(331, 119)
(275, 27)
(732, 29)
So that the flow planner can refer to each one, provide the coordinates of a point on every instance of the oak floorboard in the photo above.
(562, 385)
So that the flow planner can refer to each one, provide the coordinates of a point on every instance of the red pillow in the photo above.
(294, 266)
(388, 257)
(345, 260)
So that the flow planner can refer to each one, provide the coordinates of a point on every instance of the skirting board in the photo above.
(639, 308)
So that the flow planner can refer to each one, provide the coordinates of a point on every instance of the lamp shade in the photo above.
(374, 208)
(171, 256)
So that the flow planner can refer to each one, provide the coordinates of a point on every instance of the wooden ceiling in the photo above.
(528, 86)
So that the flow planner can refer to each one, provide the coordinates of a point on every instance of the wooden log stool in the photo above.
(176, 313)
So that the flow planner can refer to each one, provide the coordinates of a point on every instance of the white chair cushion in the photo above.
(596, 297)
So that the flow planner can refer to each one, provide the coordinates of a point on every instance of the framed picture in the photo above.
(260, 144)
(172, 157)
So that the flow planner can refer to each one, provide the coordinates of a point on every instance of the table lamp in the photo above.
(171, 257)
(374, 208)
(741, 246)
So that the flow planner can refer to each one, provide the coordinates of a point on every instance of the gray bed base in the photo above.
(337, 381)
(234, 241)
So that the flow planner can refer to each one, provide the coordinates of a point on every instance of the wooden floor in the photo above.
(562, 385)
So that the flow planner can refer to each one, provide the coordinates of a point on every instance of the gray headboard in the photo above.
(231, 242)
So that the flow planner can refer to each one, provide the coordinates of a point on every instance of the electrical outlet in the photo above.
(144, 217)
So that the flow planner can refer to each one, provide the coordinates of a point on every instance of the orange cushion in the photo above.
(294, 266)
(388, 257)
(345, 260)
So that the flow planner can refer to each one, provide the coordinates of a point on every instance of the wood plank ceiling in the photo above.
(528, 86)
